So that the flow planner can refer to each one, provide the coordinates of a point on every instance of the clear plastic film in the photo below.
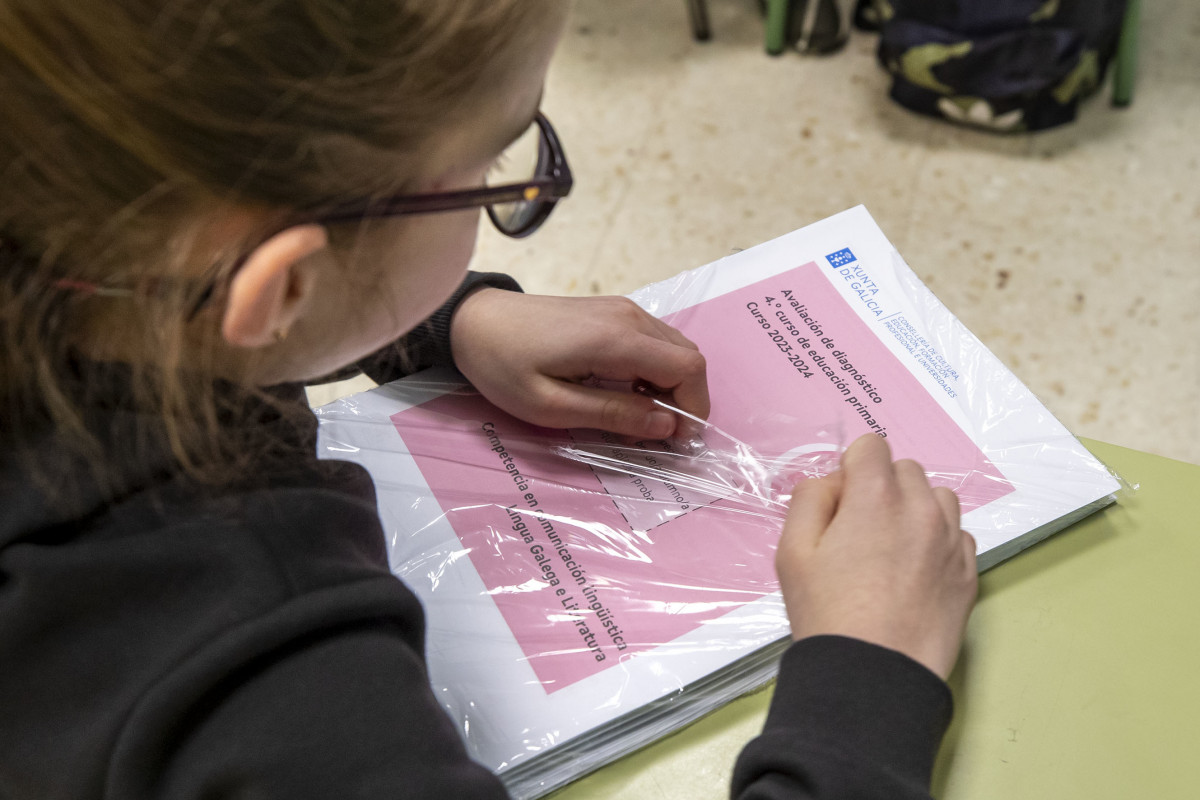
(705, 465)
(831, 321)
(587, 593)
(576, 583)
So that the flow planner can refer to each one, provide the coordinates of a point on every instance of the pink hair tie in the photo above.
(91, 289)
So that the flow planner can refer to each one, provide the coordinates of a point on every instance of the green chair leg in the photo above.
(698, 14)
(1125, 62)
(777, 13)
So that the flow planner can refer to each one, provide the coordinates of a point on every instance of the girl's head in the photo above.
(158, 146)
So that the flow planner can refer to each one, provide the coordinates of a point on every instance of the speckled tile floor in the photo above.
(1074, 254)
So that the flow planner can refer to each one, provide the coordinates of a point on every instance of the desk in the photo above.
(1080, 677)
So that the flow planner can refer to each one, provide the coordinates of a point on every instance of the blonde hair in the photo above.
(125, 122)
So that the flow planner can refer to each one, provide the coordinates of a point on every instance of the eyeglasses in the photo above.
(529, 178)
(527, 181)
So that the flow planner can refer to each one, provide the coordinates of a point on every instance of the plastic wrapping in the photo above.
(586, 593)
(704, 465)
(580, 588)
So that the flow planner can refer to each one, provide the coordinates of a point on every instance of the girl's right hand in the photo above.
(873, 552)
(531, 355)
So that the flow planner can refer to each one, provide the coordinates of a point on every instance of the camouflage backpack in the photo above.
(1005, 65)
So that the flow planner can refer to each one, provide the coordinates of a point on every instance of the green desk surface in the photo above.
(1080, 677)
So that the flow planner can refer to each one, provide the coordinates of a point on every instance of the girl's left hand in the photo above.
(530, 354)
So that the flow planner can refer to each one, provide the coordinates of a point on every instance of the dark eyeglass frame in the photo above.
(545, 189)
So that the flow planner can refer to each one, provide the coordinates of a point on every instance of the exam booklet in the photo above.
(586, 594)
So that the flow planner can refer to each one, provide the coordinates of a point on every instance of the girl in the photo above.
(205, 205)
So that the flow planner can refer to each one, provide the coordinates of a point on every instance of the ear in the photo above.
(269, 292)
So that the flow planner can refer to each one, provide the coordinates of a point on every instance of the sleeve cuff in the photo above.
(866, 701)
(428, 345)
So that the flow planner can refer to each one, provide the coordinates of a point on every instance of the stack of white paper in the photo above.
(575, 612)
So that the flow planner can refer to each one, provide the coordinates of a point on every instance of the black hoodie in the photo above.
(180, 641)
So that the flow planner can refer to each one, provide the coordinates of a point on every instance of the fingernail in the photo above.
(659, 424)
(688, 439)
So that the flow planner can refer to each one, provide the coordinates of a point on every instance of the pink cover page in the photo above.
(579, 587)
(789, 361)
(589, 570)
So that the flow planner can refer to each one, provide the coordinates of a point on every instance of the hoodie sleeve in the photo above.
(848, 719)
(428, 345)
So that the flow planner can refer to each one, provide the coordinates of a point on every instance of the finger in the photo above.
(970, 550)
(689, 428)
(814, 504)
(673, 335)
(691, 394)
(625, 314)
(634, 315)
(570, 405)
(867, 464)
(911, 477)
(681, 371)
(947, 501)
